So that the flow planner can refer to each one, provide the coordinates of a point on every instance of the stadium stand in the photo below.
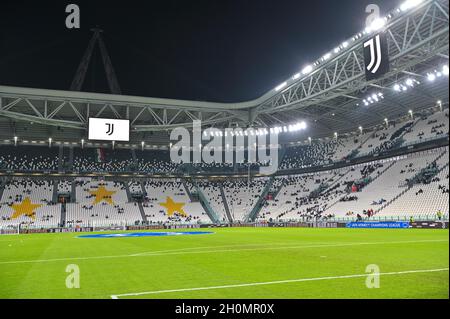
(64, 187)
(155, 162)
(135, 187)
(426, 196)
(101, 203)
(428, 126)
(378, 141)
(168, 201)
(242, 195)
(29, 203)
(390, 187)
(215, 198)
(28, 158)
(387, 186)
(102, 160)
(294, 196)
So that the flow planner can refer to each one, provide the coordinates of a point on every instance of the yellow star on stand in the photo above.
(25, 208)
(102, 194)
(173, 207)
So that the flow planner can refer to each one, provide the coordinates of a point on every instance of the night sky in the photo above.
(224, 51)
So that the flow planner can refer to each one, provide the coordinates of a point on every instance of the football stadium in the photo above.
(333, 184)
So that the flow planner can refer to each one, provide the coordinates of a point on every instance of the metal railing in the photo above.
(424, 140)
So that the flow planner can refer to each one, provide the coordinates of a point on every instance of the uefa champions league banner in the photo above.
(378, 225)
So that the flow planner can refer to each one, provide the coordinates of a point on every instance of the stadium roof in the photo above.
(330, 95)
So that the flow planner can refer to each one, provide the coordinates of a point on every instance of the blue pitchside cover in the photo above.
(153, 234)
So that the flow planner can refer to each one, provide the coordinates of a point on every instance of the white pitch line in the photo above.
(169, 253)
(274, 282)
(175, 252)
(151, 254)
(209, 247)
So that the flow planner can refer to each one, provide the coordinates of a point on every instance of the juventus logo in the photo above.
(375, 54)
(110, 130)
(101, 129)
(376, 57)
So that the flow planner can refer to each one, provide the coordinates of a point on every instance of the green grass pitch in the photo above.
(292, 263)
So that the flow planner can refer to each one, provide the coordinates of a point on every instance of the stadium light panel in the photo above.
(281, 86)
(378, 24)
(445, 70)
(326, 57)
(308, 69)
(303, 125)
(296, 76)
(409, 4)
(431, 77)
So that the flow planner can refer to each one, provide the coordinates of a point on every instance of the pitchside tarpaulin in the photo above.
(378, 225)
(109, 130)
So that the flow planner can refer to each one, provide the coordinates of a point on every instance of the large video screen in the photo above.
(109, 130)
